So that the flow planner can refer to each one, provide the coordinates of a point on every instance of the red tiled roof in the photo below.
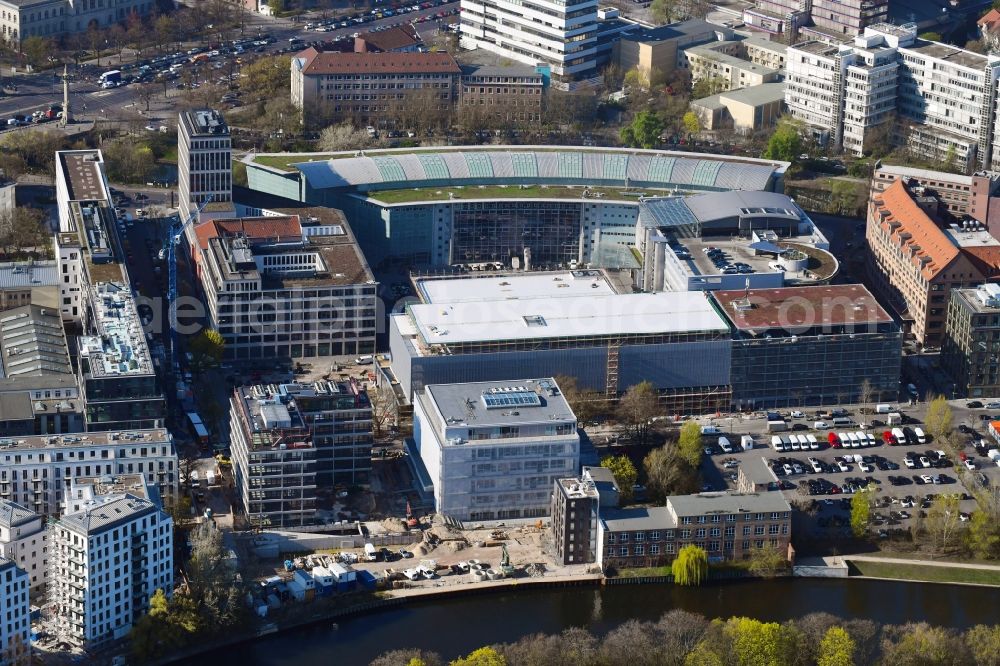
(989, 20)
(392, 39)
(930, 248)
(332, 62)
(986, 258)
(254, 227)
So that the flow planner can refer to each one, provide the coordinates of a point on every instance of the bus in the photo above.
(110, 79)
(198, 428)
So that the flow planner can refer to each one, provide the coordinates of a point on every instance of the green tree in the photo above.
(756, 643)
(644, 131)
(129, 160)
(691, 566)
(921, 644)
(207, 349)
(691, 122)
(707, 86)
(983, 535)
(836, 648)
(663, 11)
(689, 443)
(861, 511)
(636, 79)
(667, 473)
(984, 641)
(942, 523)
(267, 78)
(931, 36)
(785, 143)
(703, 655)
(767, 562)
(636, 408)
(625, 475)
(939, 421)
(484, 656)
(37, 50)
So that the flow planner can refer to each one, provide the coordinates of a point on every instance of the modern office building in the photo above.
(961, 196)
(386, 90)
(37, 471)
(914, 263)
(274, 460)
(562, 36)
(107, 560)
(502, 96)
(936, 98)
(52, 19)
(494, 449)
(204, 160)
(972, 342)
(576, 505)
(15, 615)
(24, 540)
(120, 388)
(292, 284)
(568, 323)
(726, 525)
(814, 345)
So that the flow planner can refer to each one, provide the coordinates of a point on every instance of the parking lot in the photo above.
(906, 474)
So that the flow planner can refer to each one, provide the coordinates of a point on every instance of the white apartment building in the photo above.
(20, 19)
(15, 613)
(204, 160)
(108, 559)
(25, 541)
(562, 35)
(494, 449)
(941, 99)
(37, 471)
(291, 285)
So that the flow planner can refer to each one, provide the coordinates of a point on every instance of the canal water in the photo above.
(458, 626)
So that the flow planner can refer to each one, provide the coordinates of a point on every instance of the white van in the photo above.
(725, 445)
(872, 440)
(364, 360)
(883, 409)
(845, 443)
(370, 553)
(921, 437)
(852, 440)
(898, 434)
(786, 443)
(813, 443)
(862, 438)
(710, 430)
(821, 425)
(776, 443)
(803, 443)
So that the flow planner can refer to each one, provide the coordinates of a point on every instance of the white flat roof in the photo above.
(965, 238)
(507, 287)
(573, 316)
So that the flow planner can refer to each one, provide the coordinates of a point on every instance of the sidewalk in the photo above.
(897, 560)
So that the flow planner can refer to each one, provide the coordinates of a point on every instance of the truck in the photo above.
(371, 554)
(110, 79)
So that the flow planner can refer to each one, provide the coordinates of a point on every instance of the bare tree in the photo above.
(865, 396)
(384, 410)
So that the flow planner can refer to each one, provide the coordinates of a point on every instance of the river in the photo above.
(457, 626)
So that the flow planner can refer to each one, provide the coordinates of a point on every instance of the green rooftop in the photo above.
(411, 195)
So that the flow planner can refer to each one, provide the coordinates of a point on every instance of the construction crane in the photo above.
(174, 234)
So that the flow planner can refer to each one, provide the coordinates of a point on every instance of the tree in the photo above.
(942, 522)
(689, 443)
(21, 229)
(636, 409)
(836, 648)
(707, 86)
(756, 643)
(691, 566)
(984, 641)
(667, 473)
(207, 349)
(343, 136)
(37, 50)
(663, 10)
(384, 412)
(785, 143)
(767, 562)
(410, 657)
(636, 79)
(485, 656)
(939, 421)
(920, 643)
(644, 131)
(983, 535)
(692, 123)
(625, 475)
(585, 403)
(861, 511)
(865, 396)
(128, 160)
(267, 78)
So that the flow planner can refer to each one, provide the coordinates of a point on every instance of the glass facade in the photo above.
(500, 230)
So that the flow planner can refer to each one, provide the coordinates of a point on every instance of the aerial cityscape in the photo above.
(495, 333)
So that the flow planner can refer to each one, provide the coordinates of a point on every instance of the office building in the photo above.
(292, 284)
(15, 615)
(502, 96)
(107, 560)
(470, 330)
(659, 51)
(891, 85)
(385, 90)
(562, 36)
(972, 342)
(914, 262)
(961, 197)
(29, 282)
(720, 64)
(726, 525)
(36, 471)
(120, 386)
(204, 160)
(811, 345)
(397, 39)
(781, 20)
(25, 541)
(745, 110)
(494, 449)
(274, 460)
(52, 19)
(837, 20)
(576, 505)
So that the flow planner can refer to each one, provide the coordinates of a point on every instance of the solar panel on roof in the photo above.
(497, 400)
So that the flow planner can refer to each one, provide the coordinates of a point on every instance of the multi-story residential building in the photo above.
(972, 342)
(781, 20)
(204, 160)
(24, 540)
(338, 416)
(721, 64)
(107, 560)
(837, 20)
(380, 89)
(560, 35)
(274, 460)
(29, 282)
(120, 386)
(20, 19)
(37, 471)
(576, 505)
(290, 285)
(914, 263)
(961, 196)
(15, 615)
(503, 96)
(727, 525)
(839, 336)
(939, 99)
(494, 449)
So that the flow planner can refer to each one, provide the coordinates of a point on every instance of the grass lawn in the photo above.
(931, 574)
(497, 192)
(644, 572)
